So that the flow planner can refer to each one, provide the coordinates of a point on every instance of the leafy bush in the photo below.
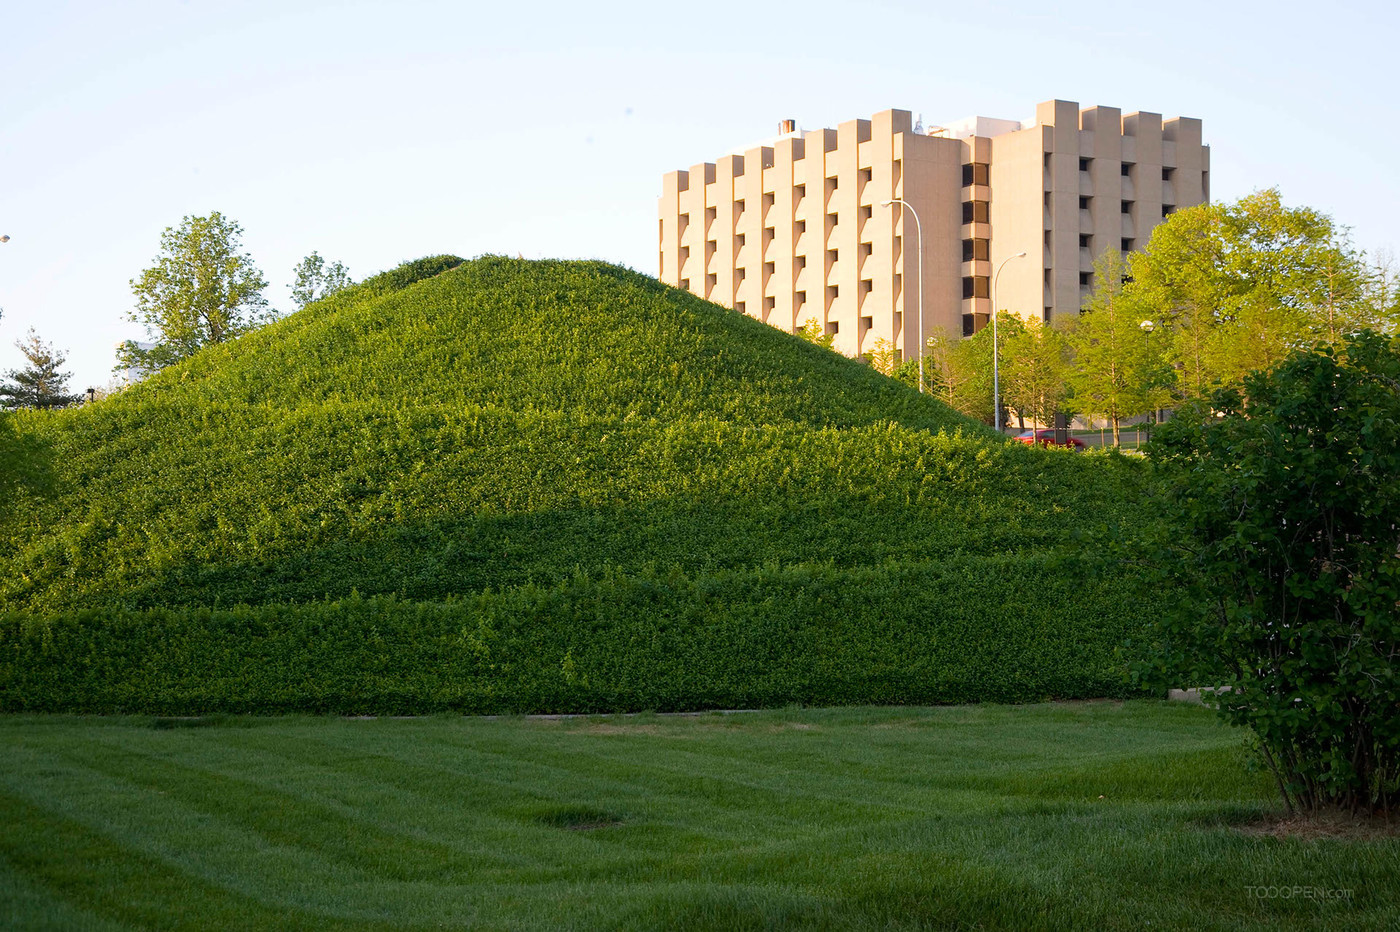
(1286, 497)
(965, 630)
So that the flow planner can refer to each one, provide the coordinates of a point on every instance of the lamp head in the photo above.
(1147, 326)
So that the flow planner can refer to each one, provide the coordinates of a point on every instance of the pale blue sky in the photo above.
(378, 132)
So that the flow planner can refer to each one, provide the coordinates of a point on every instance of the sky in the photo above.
(374, 133)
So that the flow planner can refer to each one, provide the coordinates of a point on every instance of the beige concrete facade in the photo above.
(794, 229)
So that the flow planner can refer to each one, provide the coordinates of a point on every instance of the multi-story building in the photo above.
(797, 228)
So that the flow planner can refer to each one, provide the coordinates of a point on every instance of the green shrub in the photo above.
(965, 630)
(1285, 501)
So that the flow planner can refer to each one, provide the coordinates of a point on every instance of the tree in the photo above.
(812, 332)
(316, 280)
(40, 384)
(1035, 372)
(884, 357)
(1237, 287)
(1281, 500)
(201, 291)
(1113, 375)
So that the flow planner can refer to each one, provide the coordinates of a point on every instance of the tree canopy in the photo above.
(201, 290)
(40, 383)
(315, 279)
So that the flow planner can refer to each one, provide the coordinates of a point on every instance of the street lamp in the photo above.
(4, 239)
(919, 228)
(996, 373)
(1147, 327)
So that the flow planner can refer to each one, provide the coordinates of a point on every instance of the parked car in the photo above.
(1045, 437)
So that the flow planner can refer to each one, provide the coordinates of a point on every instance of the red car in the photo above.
(1045, 437)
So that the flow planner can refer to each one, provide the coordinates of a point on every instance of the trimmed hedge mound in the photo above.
(965, 630)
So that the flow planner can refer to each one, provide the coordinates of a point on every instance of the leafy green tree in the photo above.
(1281, 498)
(884, 357)
(40, 384)
(1237, 287)
(1113, 374)
(812, 332)
(1035, 372)
(316, 280)
(201, 291)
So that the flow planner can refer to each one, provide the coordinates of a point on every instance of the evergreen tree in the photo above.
(39, 384)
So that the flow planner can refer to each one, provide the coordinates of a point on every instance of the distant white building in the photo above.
(133, 374)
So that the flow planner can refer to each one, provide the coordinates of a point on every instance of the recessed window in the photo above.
(799, 192)
(866, 286)
(738, 207)
(685, 253)
(1168, 209)
(768, 234)
(1125, 245)
(976, 249)
(684, 222)
(1084, 164)
(768, 268)
(1126, 169)
(832, 183)
(976, 286)
(1085, 240)
(1125, 206)
(1047, 314)
(975, 212)
(741, 239)
(740, 306)
(832, 220)
(833, 254)
(969, 322)
(711, 280)
(866, 250)
(1084, 203)
(710, 214)
(1045, 159)
(740, 275)
(770, 303)
(1086, 279)
(800, 226)
(1167, 173)
(799, 298)
(866, 174)
(801, 262)
(833, 327)
(767, 201)
(975, 173)
(833, 291)
(685, 284)
(867, 212)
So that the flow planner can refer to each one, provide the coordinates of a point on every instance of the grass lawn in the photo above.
(1064, 816)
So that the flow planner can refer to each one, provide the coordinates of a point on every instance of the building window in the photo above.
(1086, 279)
(975, 173)
(867, 212)
(711, 281)
(1049, 311)
(770, 303)
(801, 227)
(710, 214)
(1046, 160)
(832, 183)
(740, 306)
(768, 268)
(866, 250)
(833, 254)
(740, 275)
(833, 327)
(1084, 164)
(1126, 169)
(684, 222)
(1126, 206)
(1085, 241)
(710, 246)
(976, 249)
(799, 192)
(1167, 209)
(685, 284)
(832, 220)
(1167, 173)
(969, 325)
(801, 262)
(738, 207)
(866, 174)
(975, 212)
(976, 286)
(685, 253)
(833, 292)
(741, 239)
(799, 298)
(1084, 202)
(768, 234)
(767, 201)
(866, 286)
(1126, 245)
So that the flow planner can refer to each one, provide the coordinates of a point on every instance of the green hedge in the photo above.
(967, 630)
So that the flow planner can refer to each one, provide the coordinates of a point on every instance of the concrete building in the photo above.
(794, 228)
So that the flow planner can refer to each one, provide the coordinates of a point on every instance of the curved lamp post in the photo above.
(996, 355)
(919, 227)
